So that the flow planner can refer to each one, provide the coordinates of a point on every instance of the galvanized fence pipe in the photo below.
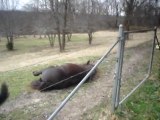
(118, 71)
(79, 85)
(122, 44)
(152, 52)
(149, 69)
(134, 89)
(139, 31)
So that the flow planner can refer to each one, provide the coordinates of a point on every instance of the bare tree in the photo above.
(65, 23)
(157, 11)
(51, 37)
(130, 7)
(91, 12)
(60, 8)
(54, 5)
(7, 20)
(117, 10)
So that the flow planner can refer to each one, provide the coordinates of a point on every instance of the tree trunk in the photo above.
(117, 15)
(55, 12)
(64, 25)
(127, 27)
(69, 36)
(10, 43)
(90, 37)
(58, 25)
(59, 41)
(51, 39)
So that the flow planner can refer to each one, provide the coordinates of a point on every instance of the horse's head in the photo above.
(88, 65)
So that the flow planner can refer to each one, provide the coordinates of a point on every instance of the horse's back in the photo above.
(52, 74)
(70, 69)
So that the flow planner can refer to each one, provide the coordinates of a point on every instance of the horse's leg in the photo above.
(37, 73)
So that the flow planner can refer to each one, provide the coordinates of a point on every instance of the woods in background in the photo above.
(64, 17)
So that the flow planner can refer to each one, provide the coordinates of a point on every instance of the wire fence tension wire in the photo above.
(117, 84)
(52, 116)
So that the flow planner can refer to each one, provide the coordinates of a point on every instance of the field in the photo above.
(94, 97)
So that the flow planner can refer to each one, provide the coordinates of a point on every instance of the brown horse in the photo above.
(4, 93)
(60, 77)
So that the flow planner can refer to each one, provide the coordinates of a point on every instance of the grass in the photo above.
(30, 44)
(19, 80)
(144, 104)
(23, 44)
(19, 83)
(97, 110)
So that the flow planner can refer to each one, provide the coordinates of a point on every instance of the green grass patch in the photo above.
(79, 37)
(31, 44)
(144, 104)
(18, 81)
(25, 44)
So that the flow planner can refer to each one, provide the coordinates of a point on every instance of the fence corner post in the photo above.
(118, 69)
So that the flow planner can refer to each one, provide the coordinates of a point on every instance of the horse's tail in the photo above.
(4, 93)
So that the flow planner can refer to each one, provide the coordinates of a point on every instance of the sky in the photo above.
(22, 3)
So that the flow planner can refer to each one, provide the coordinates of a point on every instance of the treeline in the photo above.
(63, 17)
(30, 23)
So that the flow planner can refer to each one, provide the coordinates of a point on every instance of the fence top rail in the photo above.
(140, 31)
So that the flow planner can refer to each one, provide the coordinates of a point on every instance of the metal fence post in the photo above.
(152, 52)
(118, 69)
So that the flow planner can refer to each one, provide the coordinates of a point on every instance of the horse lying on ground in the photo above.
(4, 93)
(59, 77)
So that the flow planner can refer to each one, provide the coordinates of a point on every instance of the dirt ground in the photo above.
(39, 106)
